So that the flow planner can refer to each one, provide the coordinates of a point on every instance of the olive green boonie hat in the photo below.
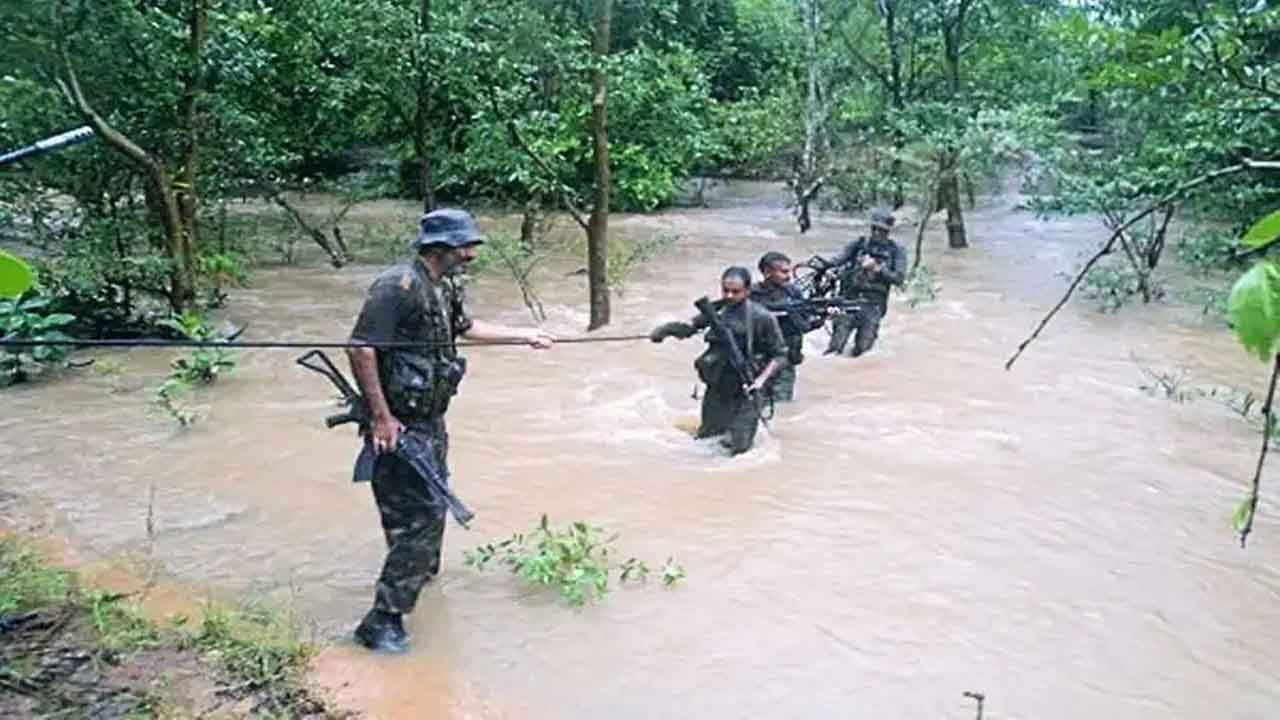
(449, 227)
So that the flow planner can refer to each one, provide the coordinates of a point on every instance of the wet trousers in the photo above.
(413, 522)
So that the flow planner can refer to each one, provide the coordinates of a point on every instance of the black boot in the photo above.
(382, 632)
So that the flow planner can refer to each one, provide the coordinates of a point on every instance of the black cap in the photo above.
(449, 227)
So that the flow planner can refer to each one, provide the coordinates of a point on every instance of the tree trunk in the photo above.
(160, 191)
(893, 41)
(182, 241)
(949, 186)
(808, 161)
(805, 180)
(529, 224)
(422, 116)
(930, 203)
(598, 226)
(949, 195)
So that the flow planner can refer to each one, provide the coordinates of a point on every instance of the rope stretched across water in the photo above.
(249, 344)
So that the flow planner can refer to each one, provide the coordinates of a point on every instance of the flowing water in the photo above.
(919, 523)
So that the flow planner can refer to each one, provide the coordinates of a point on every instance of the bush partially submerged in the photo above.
(575, 560)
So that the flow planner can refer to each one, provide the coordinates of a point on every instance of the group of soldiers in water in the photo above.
(756, 332)
(405, 360)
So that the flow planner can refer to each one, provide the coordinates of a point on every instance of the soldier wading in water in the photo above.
(778, 294)
(408, 391)
(868, 268)
(730, 405)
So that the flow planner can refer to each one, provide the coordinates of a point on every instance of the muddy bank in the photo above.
(103, 642)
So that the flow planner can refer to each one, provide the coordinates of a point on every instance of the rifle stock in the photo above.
(412, 450)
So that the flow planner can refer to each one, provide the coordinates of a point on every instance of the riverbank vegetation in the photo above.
(70, 650)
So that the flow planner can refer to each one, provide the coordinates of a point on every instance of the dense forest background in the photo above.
(581, 108)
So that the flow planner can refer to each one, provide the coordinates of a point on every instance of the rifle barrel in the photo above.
(61, 140)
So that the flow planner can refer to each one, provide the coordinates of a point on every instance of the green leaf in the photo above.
(1243, 514)
(1254, 308)
(15, 275)
(1264, 232)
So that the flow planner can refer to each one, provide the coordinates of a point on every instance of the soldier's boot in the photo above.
(382, 632)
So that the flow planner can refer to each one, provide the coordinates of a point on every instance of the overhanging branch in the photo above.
(1173, 196)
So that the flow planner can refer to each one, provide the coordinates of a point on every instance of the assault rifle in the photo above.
(57, 142)
(814, 305)
(411, 447)
(737, 359)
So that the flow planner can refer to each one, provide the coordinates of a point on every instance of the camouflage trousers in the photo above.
(865, 321)
(413, 522)
(726, 409)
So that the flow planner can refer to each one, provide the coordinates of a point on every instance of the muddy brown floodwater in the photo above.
(918, 524)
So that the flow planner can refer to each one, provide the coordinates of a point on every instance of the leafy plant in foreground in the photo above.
(574, 560)
(202, 367)
(1254, 308)
(204, 364)
(23, 318)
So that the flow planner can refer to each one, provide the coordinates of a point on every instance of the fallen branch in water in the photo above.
(1165, 201)
(1245, 525)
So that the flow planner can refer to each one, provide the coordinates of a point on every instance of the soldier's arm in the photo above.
(842, 257)
(896, 272)
(377, 323)
(768, 331)
(481, 331)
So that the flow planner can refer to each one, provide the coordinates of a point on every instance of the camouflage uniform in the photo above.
(725, 405)
(405, 305)
(794, 325)
(870, 290)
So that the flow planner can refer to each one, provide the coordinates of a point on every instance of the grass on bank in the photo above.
(71, 651)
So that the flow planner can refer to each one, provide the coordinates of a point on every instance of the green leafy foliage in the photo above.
(1207, 251)
(1113, 284)
(16, 276)
(627, 255)
(1254, 309)
(170, 397)
(1243, 516)
(574, 560)
(254, 649)
(27, 317)
(204, 365)
(921, 287)
(26, 583)
(1264, 232)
